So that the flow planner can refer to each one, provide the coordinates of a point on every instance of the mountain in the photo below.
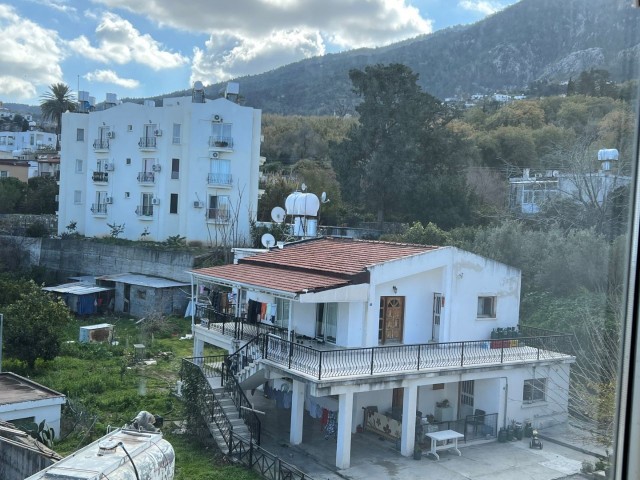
(530, 40)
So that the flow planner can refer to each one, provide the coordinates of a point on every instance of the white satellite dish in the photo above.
(303, 187)
(323, 197)
(277, 214)
(267, 240)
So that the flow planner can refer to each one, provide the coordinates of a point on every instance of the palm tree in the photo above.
(54, 103)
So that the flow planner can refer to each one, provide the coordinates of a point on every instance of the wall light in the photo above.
(395, 289)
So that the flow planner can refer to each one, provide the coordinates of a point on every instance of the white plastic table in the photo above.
(443, 436)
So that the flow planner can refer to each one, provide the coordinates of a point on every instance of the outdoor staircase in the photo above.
(231, 411)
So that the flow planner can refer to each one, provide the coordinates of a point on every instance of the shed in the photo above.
(101, 332)
(139, 295)
(82, 298)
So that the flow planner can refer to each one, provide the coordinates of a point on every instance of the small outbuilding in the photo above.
(83, 298)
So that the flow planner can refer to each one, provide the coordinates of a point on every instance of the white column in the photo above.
(198, 347)
(345, 418)
(409, 406)
(297, 413)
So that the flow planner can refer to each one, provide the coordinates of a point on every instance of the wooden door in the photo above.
(391, 319)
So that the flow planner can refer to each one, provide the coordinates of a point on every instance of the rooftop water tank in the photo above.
(608, 154)
(302, 204)
(153, 457)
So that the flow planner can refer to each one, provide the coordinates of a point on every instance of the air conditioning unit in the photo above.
(57, 198)
(157, 133)
(215, 154)
(111, 134)
(217, 118)
(108, 200)
(155, 201)
(198, 204)
(155, 167)
(108, 167)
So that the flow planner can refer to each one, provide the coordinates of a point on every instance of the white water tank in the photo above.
(153, 457)
(300, 203)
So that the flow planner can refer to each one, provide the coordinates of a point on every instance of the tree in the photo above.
(41, 195)
(12, 193)
(33, 326)
(54, 103)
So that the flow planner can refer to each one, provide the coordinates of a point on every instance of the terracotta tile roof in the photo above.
(336, 255)
(313, 265)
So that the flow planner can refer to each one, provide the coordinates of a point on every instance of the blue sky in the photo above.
(153, 47)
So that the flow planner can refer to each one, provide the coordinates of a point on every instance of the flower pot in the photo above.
(417, 454)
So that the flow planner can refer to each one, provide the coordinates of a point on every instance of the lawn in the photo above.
(107, 386)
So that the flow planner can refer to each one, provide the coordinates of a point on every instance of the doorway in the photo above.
(438, 303)
(391, 320)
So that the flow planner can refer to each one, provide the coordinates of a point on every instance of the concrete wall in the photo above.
(18, 463)
(145, 300)
(72, 257)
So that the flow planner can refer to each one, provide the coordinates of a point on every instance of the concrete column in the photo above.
(297, 413)
(345, 418)
(198, 347)
(409, 406)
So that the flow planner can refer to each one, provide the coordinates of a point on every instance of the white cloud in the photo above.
(248, 36)
(109, 76)
(29, 55)
(486, 7)
(59, 5)
(118, 41)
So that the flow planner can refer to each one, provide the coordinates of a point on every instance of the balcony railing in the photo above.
(101, 144)
(218, 141)
(369, 361)
(220, 215)
(146, 177)
(144, 210)
(99, 208)
(147, 142)
(220, 179)
(100, 177)
(235, 327)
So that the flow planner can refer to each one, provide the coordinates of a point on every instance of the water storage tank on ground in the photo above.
(153, 457)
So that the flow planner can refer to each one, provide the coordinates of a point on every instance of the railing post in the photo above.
(419, 348)
(372, 351)
(462, 355)
(502, 353)
(290, 353)
(320, 367)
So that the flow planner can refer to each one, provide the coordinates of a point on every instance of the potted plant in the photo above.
(417, 453)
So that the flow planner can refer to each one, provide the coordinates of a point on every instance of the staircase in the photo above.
(231, 412)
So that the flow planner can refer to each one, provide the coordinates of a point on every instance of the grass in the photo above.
(106, 386)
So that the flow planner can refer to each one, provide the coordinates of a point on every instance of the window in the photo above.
(220, 172)
(145, 209)
(283, 307)
(173, 203)
(80, 135)
(176, 133)
(79, 165)
(77, 197)
(175, 168)
(534, 390)
(486, 307)
(4, 173)
(128, 161)
(129, 128)
(219, 206)
(127, 195)
(141, 294)
(327, 322)
(221, 135)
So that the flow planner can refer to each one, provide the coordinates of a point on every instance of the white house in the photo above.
(22, 400)
(395, 328)
(188, 168)
(26, 144)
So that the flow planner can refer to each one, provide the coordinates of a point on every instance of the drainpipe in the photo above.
(193, 306)
(506, 397)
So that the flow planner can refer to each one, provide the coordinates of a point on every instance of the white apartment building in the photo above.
(188, 168)
(26, 143)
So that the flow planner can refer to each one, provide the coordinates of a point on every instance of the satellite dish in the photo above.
(303, 187)
(267, 240)
(323, 197)
(277, 214)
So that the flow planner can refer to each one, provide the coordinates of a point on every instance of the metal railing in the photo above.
(219, 179)
(239, 398)
(101, 144)
(146, 177)
(218, 214)
(480, 426)
(220, 141)
(144, 210)
(147, 142)
(232, 326)
(99, 208)
(100, 176)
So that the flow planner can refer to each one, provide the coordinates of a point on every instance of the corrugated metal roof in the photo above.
(77, 288)
(142, 280)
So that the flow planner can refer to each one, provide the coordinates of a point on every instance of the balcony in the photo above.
(99, 209)
(144, 210)
(146, 177)
(322, 361)
(147, 143)
(217, 142)
(101, 145)
(100, 177)
(218, 215)
(220, 179)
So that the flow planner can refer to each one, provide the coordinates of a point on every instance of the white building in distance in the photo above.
(187, 168)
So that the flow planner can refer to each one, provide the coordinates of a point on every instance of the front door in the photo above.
(438, 300)
(466, 389)
(391, 319)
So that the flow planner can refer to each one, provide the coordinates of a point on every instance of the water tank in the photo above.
(153, 457)
(608, 154)
(149, 103)
(300, 203)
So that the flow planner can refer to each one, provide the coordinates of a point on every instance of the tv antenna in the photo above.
(267, 240)
(278, 214)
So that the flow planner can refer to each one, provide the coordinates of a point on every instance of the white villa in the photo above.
(188, 167)
(381, 334)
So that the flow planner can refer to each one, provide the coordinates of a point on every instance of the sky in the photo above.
(145, 48)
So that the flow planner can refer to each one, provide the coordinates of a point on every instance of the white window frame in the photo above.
(177, 133)
(79, 134)
(487, 306)
(77, 197)
(79, 165)
(535, 389)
